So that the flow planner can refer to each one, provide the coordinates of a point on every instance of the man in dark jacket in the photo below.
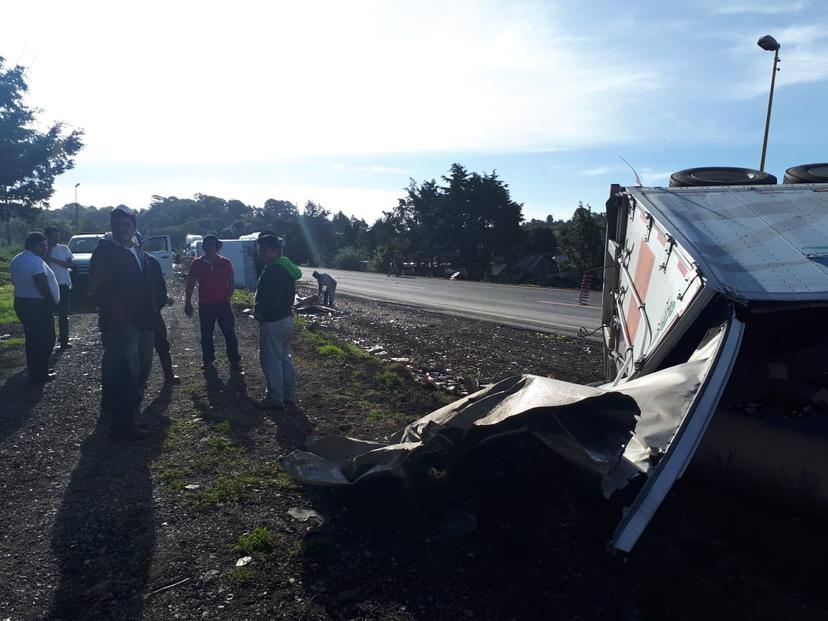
(275, 294)
(120, 287)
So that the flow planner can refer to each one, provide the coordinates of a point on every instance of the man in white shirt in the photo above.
(36, 293)
(59, 258)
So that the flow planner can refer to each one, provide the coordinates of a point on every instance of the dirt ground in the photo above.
(94, 528)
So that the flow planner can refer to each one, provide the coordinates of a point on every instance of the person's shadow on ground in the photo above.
(18, 397)
(104, 533)
(228, 401)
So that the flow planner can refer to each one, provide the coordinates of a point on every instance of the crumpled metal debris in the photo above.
(303, 515)
(312, 305)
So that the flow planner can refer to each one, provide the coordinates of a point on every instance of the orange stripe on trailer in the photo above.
(643, 273)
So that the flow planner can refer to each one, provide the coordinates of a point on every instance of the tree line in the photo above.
(467, 222)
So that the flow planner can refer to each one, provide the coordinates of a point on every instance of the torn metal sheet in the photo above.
(615, 432)
(311, 305)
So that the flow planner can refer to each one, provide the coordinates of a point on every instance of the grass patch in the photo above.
(7, 314)
(388, 380)
(231, 489)
(15, 342)
(377, 413)
(330, 350)
(259, 541)
(332, 347)
(244, 297)
(241, 575)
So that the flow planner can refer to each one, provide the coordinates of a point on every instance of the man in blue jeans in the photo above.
(275, 294)
(214, 275)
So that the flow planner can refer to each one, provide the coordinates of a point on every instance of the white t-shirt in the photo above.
(135, 253)
(24, 267)
(61, 252)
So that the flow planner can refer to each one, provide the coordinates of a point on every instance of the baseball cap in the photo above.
(123, 209)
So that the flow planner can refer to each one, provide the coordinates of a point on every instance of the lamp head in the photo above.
(768, 43)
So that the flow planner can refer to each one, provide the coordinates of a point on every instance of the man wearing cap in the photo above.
(121, 289)
(36, 293)
(327, 281)
(213, 274)
(59, 258)
(275, 294)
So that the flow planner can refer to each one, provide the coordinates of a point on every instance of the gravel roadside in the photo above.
(98, 529)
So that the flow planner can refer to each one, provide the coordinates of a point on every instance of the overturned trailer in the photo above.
(752, 263)
(716, 360)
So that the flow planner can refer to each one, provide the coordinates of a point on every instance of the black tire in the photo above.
(807, 173)
(719, 175)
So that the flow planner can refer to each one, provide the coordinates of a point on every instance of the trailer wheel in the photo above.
(719, 175)
(807, 173)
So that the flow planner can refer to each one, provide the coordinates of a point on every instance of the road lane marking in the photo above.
(567, 304)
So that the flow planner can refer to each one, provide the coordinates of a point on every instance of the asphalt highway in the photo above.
(537, 308)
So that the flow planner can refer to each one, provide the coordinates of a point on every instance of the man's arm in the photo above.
(231, 281)
(43, 287)
(67, 262)
(101, 275)
(188, 292)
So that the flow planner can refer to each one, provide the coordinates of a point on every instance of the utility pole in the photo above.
(77, 217)
(769, 44)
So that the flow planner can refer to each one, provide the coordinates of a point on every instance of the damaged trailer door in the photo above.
(649, 427)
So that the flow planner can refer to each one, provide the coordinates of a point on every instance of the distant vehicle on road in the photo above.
(190, 244)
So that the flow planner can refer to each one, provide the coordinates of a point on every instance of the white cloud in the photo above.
(375, 168)
(760, 9)
(214, 82)
(600, 171)
(655, 178)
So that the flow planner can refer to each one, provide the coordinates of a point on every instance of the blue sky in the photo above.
(344, 102)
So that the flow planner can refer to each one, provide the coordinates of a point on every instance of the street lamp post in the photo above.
(769, 44)
(77, 217)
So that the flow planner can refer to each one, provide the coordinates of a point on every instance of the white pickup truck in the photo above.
(82, 247)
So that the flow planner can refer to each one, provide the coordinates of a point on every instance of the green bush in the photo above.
(348, 258)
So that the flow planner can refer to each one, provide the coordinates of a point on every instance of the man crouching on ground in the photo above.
(126, 317)
(275, 295)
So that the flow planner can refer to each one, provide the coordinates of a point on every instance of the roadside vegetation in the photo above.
(7, 314)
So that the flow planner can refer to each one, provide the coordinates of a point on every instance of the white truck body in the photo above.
(242, 254)
(750, 262)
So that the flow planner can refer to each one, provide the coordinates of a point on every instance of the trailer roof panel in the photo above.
(751, 242)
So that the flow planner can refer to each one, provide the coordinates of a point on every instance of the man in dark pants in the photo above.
(120, 287)
(214, 275)
(59, 258)
(35, 294)
(162, 343)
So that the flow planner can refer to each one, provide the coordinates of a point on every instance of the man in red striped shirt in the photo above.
(213, 274)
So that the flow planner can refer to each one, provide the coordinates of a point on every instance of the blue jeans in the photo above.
(208, 315)
(275, 338)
